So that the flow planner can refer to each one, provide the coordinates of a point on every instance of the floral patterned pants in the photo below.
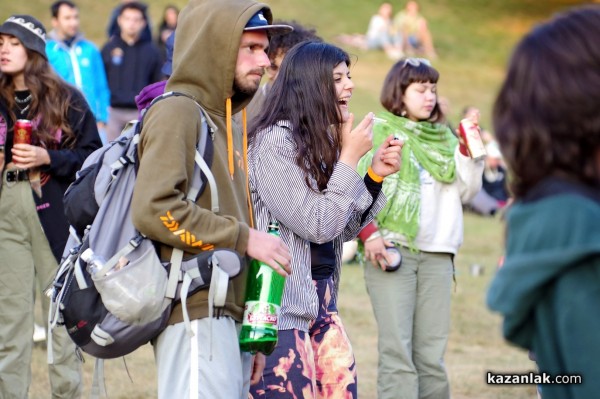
(317, 365)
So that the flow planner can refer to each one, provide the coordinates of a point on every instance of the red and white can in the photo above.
(23, 129)
(469, 131)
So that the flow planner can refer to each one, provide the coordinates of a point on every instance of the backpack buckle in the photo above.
(136, 241)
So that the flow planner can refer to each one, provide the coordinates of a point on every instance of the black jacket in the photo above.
(129, 69)
(64, 163)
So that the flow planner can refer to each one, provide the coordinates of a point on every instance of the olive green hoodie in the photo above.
(204, 63)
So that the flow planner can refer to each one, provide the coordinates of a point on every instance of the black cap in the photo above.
(28, 30)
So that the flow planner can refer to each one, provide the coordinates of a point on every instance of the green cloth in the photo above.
(428, 146)
(548, 289)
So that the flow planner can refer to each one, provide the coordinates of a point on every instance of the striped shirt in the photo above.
(279, 192)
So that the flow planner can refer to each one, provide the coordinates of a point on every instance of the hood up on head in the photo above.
(205, 56)
(205, 52)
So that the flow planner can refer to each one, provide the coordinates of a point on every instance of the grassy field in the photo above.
(473, 39)
(475, 347)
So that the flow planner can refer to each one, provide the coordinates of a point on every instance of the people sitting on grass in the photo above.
(380, 34)
(412, 28)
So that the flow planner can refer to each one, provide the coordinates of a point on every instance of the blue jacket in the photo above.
(81, 65)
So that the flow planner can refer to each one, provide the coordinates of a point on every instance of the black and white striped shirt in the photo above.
(279, 192)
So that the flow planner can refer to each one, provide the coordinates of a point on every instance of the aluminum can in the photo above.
(23, 129)
(469, 131)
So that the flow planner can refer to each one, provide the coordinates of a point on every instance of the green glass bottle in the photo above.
(264, 289)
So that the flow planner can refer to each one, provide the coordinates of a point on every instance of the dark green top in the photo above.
(548, 289)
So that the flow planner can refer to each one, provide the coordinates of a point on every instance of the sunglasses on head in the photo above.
(416, 62)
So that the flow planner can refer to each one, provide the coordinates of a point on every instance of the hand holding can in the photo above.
(23, 129)
(469, 132)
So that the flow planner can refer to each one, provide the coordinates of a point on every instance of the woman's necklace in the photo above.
(26, 100)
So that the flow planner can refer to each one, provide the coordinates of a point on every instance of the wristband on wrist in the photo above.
(366, 232)
(374, 236)
(376, 178)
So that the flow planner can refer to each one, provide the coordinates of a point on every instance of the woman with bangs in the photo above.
(35, 175)
(302, 158)
(423, 221)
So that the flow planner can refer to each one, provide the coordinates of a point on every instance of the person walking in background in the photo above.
(218, 60)
(77, 60)
(131, 63)
(113, 28)
(167, 27)
(36, 170)
(548, 289)
(423, 219)
(279, 46)
(411, 27)
(302, 161)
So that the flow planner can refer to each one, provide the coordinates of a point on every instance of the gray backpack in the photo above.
(112, 292)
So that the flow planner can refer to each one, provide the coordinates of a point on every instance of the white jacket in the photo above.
(441, 215)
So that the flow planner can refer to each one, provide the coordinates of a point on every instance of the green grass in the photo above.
(474, 39)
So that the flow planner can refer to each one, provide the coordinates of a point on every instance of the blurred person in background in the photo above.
(131, 63)
(548, 289)
(167, 27)
(411, 27)
(36, 170)
(380, 34)
(494, 194)
(113, 28)
(77, 60)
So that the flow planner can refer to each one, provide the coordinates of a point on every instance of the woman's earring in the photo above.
(403, 113)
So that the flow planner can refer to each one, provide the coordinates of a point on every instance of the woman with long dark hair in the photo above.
(302, 166)
(36, 168)
(548, 126)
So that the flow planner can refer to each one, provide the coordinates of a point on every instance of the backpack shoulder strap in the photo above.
(201, 169)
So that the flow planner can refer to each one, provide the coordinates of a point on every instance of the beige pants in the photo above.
(25, 256)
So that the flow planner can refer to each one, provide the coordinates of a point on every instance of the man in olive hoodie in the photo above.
(218, 60)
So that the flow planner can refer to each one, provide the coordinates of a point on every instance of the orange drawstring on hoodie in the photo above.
(230, 152)
(245, 129)
(229, 137)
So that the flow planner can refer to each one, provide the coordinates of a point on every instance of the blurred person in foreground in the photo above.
(548, 289)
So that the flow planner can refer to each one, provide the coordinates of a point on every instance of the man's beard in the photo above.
(240, 87)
